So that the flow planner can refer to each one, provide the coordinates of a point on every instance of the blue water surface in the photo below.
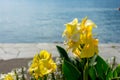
(28, 21)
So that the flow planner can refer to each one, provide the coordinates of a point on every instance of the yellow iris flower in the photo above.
(71, 28)
(72, 34)
(90, 44)
(79, 38)
(88, 49)
(42, 64)
(8, 77)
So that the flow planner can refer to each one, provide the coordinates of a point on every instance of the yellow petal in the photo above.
(8, 77)
(44, 55)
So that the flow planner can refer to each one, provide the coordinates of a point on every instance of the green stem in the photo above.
(85, 71)
(53, 76)
(42, 78)
(23, 77)
(45, 77)
(16, 75)
(84, 75)
(116, 78)
(113, 64)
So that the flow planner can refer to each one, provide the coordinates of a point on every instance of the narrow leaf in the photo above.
(117, 69)
(92, 73)
(63, 53)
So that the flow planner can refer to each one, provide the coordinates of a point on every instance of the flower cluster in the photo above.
(42, 65)
(87, 65)
(79, 38)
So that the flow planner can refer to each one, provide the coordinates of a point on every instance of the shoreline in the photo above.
(28, 50)
(14, 55)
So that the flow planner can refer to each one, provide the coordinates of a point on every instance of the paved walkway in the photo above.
(28, 50)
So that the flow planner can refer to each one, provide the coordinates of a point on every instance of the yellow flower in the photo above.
(80, 38)
(70, 28)
(8, 77)
(86, 38)
(42, 64)
(88, 49)
(86, 25)
(72, 34)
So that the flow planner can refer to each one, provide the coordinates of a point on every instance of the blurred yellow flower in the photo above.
(88, 49)
(71, 28)
(72, 34)
(90, 45)
(79, 38)
(42, 64)
(8, 77)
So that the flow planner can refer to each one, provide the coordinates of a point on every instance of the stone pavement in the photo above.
(28, 50)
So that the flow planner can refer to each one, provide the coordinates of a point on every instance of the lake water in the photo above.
(43, 20)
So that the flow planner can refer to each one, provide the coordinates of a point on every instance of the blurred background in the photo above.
(34, 21)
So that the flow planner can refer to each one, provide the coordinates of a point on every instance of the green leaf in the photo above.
(63, 53)
(101, 67)
(79, 64)
(115, 74)
(92, 73)
(109, 75)
(117, 69)
(70, 71)
(93, 60)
